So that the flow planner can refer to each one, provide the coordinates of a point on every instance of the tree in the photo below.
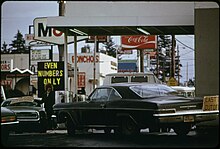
(163, 56)
(18, 45)
(111, 48)
(4, 48)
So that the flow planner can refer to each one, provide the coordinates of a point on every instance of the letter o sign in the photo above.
(57, 33)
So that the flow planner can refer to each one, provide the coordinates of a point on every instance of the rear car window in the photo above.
(152, 90)
(139, 79)
(119, 79)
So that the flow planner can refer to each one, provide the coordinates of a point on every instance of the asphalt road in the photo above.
(59, 138)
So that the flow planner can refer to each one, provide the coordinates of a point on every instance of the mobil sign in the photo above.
(139, 42)
(48, 34)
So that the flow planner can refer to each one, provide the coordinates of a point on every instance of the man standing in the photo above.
(49, 100)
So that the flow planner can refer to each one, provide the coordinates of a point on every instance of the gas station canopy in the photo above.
(125, 18)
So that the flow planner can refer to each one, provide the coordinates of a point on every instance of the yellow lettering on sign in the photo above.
(50, 73)
(53, 81)
(50, 65)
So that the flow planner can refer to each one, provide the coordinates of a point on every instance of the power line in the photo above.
(184, 44)
(189, 36)
(186, 53)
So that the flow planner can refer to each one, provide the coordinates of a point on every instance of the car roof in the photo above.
(124, 90)
(130, 73)
(130, 84)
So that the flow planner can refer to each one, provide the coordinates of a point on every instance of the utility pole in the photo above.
(173, 56)
(157, 62)
(94, 62)
(178, 60)
(187, 72)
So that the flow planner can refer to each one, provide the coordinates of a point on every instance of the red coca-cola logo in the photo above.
(139, 42)
(138, 39)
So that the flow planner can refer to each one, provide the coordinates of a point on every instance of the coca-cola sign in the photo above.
(139, 42)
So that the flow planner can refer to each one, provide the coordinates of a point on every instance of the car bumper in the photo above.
(28, 126)
(9, 126)
(188, 116)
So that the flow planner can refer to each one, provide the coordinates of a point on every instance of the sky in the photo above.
(19, 15)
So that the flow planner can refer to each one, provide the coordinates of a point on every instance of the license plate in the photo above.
(188, 118)
(210, 103)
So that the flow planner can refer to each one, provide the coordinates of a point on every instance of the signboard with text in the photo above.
(52, 73)
(48, 34)
(91, 39)
(81, 79)
(5, 65)
(139, 42)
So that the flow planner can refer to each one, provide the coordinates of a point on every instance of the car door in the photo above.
(112, 108)
(94, 113)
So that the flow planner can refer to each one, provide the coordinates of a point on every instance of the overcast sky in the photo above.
(18, 15)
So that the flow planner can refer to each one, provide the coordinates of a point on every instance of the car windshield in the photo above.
(153, 90)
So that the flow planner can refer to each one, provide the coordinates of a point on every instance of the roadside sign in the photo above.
(172, 82)
(210, 103)
(91, 39)
(52, 73)
(139, 42)
(48, 34)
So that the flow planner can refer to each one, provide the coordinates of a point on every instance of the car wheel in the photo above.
(128, 127)
(70, 127)
(107, 130)
(165, 129)
(153, 129)
(182, 129)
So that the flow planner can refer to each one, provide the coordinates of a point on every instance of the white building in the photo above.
(85, 61)
(11, 79)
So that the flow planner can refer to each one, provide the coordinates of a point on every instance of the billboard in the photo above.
(139, 42)
(48, 34)
(50, 72)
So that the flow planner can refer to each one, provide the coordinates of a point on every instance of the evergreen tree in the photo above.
(4, 48)
(18, 45)
(111, 48)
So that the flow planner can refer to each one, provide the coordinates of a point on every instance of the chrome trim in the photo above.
(10, 123)
(190, 106)
(191, 112)
(196, 119)
(29, 120)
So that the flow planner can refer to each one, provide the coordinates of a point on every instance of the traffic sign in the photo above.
(172, 82)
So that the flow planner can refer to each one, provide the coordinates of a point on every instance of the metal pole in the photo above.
(94, 63)
(61, 13)
(178, 58)
(65, 62)
(141, 60)
(75, 67)
(157, 53)
(173, 57)
(187, 72)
